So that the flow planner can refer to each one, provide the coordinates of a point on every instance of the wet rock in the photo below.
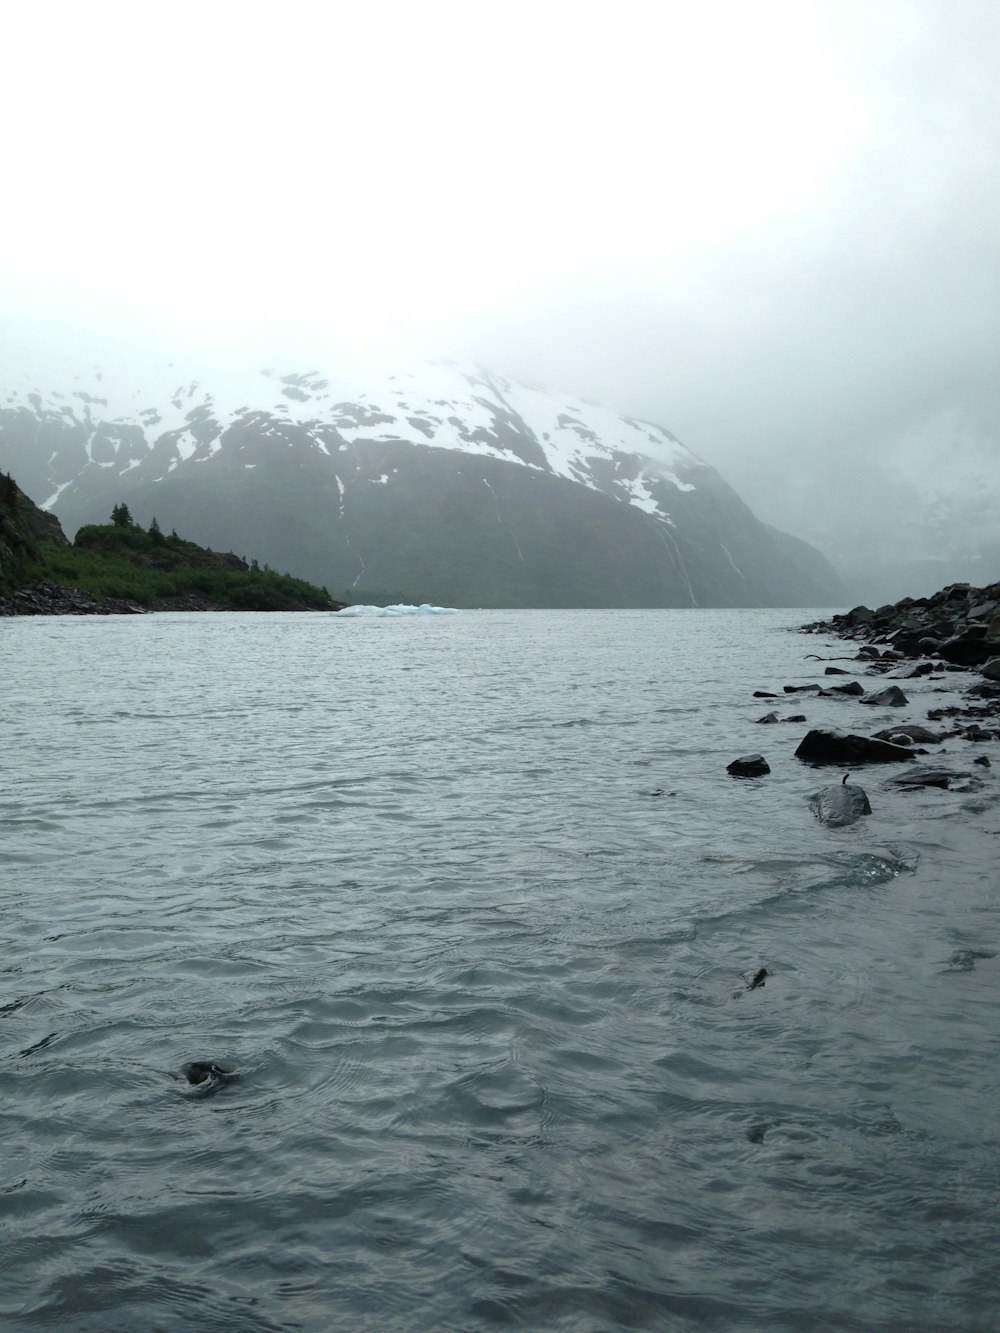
(749, 766)
(966, 650)
(852, 687)
(841, 805)
(758, 979)
(768, 717)
(891, 697)
(763, 694)
(991, 668)
(983, 760)
(964, 960)
(822, 746)
(922, 775)
(801, 689)
(835, 671)
(915, 733)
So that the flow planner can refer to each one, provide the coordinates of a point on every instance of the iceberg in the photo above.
(364, 612)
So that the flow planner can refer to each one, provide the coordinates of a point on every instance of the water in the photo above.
(469, 904)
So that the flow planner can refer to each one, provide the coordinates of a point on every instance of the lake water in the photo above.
(469, 904)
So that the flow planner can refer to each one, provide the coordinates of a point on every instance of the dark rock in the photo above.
(921, 775)
(835, 671)
(982, 759)
(917, 734)
(836, 747)
(891, 697)
(749, 766)
(763, 694)
(868, 652)
(921, 669)
(852, 687)
(966, 650)
(800, 689)
(758, 979)
(991, 668)
(977, 733)
(796, 717)
(769, 717)
(840, 806)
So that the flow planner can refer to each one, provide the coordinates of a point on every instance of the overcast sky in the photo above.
(771, 226)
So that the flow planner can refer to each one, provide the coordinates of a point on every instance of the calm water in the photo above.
(469, 904)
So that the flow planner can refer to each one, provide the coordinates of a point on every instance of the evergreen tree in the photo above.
(120, 516)
(155, 534)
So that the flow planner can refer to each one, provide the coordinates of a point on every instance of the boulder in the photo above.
(891, 697)
(821, 746)
(991, 669)
(749, 766)
(841, 805)
(801, 689)
(835, 671)
(966, 650)
(768, 717)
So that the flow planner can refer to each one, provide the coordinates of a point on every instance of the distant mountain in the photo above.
(442, 484)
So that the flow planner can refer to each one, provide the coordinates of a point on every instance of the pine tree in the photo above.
(120, 516)
(155, 534)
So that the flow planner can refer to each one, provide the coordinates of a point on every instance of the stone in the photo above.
(891, 697)
(749, 766)
(822, 746)
(841, 805)
(923, 776)
(852, 687)
(991, 668)
(768, 717)
(918, 735)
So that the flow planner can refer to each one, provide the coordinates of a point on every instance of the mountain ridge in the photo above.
(399, 480)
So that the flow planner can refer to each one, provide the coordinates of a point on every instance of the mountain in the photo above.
(443, 483)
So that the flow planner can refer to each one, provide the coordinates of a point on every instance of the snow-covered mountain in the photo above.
(442, 482)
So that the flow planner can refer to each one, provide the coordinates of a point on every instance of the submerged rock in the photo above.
(749, 766)
(821, 746)
(922, 775)
(839, 806)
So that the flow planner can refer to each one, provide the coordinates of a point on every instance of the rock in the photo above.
(991, 668)
(801, 689)
(822, 746)
(917, 734)
(836, 671)
(763, 694)
(758, 979)
(852, 687)
(796, 717)
(839, 806)
(749, 766)
(966, 650)
(982, 759)
(977, 733)
(921, 775)
(921, 669)
(891, 697)
(868, 653)
(769, 717)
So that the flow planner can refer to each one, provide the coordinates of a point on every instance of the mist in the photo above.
(772, 232)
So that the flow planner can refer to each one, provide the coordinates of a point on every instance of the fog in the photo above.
(771, 228)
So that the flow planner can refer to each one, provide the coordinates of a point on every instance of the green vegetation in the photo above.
(121, 560)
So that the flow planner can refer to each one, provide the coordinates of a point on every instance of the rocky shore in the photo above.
(47, 599)
(955, 633)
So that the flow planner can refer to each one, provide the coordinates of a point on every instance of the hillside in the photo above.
(121, 567)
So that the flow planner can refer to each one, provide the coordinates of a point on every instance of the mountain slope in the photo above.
(442, 484)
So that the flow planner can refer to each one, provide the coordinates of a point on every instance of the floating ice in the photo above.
(401, 609)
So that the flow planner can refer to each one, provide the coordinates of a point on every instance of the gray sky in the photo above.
(773, 227)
